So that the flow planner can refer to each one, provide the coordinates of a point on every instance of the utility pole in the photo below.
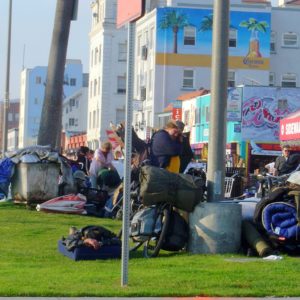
(218, 106)
(51, 117)
(6, 96)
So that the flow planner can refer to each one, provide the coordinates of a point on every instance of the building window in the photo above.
(90, 120)
(188, 79)
(71, 122)
(139, 43)
(96, 56)
(289, 80)
(38, 80)
(271, 79)
(99, 85)
(72, 102)
(36, 101)
(198, 115)
(72, 81)
(151, 37)
(95, 87)
(10, 117)
(94, 119)
(231, 78)
(100, 49)
(273, 42)
(150, 80)
(206, 114)
(121, 89)
(290, 39)
(92, 57)
(122, 56)
(232, 38)
(189, 35)
(120, 116)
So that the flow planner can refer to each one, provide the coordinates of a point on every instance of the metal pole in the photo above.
(217, 122)
(128, 140)
(6, 96)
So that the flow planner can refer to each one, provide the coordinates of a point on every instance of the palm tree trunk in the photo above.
(51, 117)
(175, 32)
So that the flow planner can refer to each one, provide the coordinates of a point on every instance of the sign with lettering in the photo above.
(290, 127)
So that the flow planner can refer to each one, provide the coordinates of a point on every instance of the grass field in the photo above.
(30, 265)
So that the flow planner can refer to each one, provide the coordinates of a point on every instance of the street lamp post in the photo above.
(217, 127)
(6, 96)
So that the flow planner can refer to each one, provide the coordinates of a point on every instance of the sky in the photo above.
(32, 26)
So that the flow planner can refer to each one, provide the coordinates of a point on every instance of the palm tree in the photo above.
(51, 118)
(175, 21)
(206, 23)
(255, 27)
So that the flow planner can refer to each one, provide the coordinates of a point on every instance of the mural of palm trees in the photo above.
(175, 21)
(255, 27)
(206, 23)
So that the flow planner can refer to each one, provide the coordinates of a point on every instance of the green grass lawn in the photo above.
(30, 265)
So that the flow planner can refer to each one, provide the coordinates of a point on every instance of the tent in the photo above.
(290, 129)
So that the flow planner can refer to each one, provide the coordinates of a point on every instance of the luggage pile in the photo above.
(276, 220)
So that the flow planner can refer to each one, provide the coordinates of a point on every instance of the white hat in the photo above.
(294, 178)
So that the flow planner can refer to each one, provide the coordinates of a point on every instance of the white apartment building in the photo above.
(107, 71)
(32, 93)
(74, 114)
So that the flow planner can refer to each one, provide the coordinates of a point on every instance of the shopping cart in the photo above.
(228, 186)
(233, 186)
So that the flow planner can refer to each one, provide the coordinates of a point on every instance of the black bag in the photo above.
(177, 233)
(77, 236)
(181, 190)
(95, 196)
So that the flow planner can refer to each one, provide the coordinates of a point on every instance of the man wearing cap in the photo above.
(187, 153)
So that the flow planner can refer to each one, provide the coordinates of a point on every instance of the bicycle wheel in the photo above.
(134, 245)
(153, 244)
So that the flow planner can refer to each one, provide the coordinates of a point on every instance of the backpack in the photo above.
(177, 233)
(144, 224)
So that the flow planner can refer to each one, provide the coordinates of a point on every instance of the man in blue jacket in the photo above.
(166, 146)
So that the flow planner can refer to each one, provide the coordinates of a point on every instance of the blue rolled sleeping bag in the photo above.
(280, 218)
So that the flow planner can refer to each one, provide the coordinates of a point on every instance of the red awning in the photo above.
(290, 127)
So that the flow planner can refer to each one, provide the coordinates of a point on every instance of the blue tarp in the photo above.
(6, 172)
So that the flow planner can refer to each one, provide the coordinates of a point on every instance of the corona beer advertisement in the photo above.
(184, 38)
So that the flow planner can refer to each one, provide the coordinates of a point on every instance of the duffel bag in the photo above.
(181, 190)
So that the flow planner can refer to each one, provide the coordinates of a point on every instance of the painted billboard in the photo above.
(184, 38)
(262, 110)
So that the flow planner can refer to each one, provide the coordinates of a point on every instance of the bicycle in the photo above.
(150, 232)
